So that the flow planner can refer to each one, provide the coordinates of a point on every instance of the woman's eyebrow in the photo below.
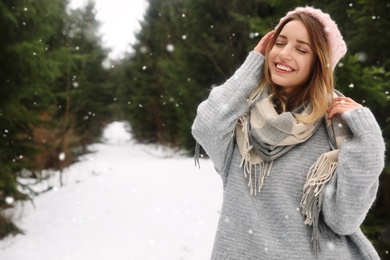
(303, 42)
(282, 36)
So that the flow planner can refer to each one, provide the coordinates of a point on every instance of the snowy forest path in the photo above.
(123, 201)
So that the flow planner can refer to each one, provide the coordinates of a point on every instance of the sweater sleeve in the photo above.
(352, 190)
(217, 116)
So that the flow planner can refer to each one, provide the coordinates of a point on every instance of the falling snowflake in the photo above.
(329, 190)
(330, 246)
(143, 49)
(170, 47)
(61, 156)
(9, 200)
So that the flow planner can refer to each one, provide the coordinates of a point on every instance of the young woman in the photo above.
(299, 162)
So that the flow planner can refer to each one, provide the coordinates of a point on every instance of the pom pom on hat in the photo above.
(337, 45)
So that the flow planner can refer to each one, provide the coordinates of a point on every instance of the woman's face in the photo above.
(291, 59)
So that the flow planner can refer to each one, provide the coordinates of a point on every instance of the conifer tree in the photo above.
(26, 72)
(183, 49)
(89, 91)
(54, 96)
(82, 94)
(145, 92)
(215, 46)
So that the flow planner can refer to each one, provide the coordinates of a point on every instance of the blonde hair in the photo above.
(318, 89)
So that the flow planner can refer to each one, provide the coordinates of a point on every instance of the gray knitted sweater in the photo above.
(270, 225)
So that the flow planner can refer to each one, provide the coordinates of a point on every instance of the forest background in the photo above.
(57, 90)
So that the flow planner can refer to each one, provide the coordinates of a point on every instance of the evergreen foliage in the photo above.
(25, 75)
(184, 49)
(54, 92)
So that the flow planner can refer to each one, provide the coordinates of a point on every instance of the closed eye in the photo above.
(279, 43)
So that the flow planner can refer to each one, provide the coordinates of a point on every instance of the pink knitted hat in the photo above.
(338, 48)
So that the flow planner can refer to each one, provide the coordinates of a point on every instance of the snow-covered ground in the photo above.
(124, 201)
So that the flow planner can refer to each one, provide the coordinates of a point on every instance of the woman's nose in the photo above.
(285, 53)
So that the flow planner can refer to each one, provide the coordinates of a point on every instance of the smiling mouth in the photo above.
(284, 68)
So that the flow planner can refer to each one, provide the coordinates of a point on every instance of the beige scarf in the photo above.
(263, 135)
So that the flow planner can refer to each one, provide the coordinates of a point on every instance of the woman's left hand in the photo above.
(341, 105)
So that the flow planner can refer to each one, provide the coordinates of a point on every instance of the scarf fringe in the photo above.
(313, 193)
(262, 168)
(197, 154)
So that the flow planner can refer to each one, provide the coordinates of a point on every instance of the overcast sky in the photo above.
(119, 20)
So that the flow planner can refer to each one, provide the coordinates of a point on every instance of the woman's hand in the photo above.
(341, 105)
(263, 43)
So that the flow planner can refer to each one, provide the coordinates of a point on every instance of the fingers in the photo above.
(341, 105)
(267, 38)
(263, 43)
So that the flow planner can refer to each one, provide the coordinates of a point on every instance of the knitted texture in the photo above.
(270, 225)
(337, 45)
